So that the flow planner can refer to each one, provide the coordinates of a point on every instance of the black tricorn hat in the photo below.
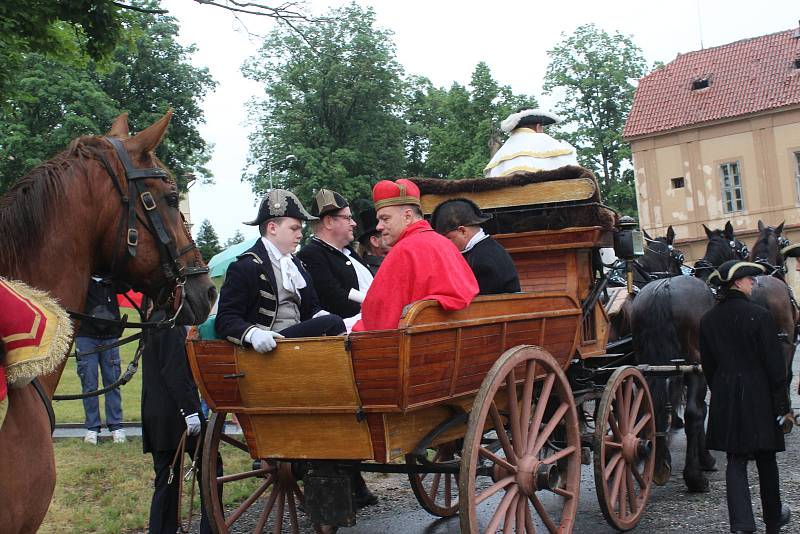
(367, 223)
(326, 201)
(281, 203)
(456, 212)
(732, 270)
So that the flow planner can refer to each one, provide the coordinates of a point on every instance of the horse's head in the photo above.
(722, 246)
(147, 243)
(661, 258)
(767, 248)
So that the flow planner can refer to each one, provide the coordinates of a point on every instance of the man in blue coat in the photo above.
(267, 292)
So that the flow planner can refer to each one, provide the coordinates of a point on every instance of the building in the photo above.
(715, 137)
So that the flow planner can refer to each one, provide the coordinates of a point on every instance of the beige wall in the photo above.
(764, 147)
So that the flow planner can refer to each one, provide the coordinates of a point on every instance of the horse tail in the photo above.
(656, 340)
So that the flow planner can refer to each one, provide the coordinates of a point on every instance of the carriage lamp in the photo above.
(628, 245)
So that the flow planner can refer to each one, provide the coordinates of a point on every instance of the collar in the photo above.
(326, 244)
(415, 228)
(272, 250)
(477, 238)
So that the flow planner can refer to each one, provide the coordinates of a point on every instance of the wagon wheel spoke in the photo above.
(513, 412)
(620, 409)
(549, 428)
(249, 502)
(616, 482)
(641, 424)
(637, 404)
(448, 489)
(230, 440)
(546, 519)
(510, 520)
(522, 504)
(638, 476)
(538, 415)
(563, 453)
(607, 442)
(277, 523)
(563, 493)
(245, 474)
(529, 526)
(437, 477)
(293, 513)
(631, 493)
(494, 488)
(612, 464)
(612, 423)
(527, 403)
(489, 455)
(502, 435)
(502, 508)
(262, 519)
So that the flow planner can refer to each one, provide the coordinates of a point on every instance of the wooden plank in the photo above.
(524, 195)
(312, 436)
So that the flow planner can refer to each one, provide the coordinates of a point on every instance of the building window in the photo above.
(677, 183)
(797, 173)
(732, 198)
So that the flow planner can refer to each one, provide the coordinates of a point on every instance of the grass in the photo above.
(72, 411)
(106, 489)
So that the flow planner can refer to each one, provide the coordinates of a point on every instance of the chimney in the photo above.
(797, 31)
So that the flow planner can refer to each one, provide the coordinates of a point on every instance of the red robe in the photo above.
(422, 265)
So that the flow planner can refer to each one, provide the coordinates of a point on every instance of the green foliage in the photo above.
(592, 71)
(207, 241)
(449, 130)
(53, 99)
(235, 239)
(335, 106)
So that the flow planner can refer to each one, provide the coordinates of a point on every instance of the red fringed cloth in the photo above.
(422, 265)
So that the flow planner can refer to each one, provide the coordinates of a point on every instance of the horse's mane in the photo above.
(28, 209)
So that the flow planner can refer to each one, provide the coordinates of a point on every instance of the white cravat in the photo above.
(477, 238)
(291, 278)
(363, 274)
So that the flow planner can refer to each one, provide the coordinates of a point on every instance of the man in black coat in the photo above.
(340, 276)
(746, 372)
(373, 247)
(459, 221)
(267, 293)
(170, 406)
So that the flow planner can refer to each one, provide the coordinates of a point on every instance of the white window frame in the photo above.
(730, 180)
(797, 173)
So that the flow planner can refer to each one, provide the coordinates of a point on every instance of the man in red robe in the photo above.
(421, 265)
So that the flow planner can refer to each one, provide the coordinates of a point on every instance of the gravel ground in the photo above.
(670, 509)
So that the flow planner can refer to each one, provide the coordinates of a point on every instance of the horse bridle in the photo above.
(704, 265)
(671, 252)
(173, 268)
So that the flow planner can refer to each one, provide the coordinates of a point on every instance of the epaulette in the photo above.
(255, 257)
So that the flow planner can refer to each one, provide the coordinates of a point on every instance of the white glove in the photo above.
(351, 321)
(263, 340)
(192, 424)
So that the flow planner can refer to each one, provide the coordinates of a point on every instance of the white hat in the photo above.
(536, 116)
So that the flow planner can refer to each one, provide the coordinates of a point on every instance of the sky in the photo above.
(443, 40)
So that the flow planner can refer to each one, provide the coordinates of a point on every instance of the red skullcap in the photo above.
(397, 193)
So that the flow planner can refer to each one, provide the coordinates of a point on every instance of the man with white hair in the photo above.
(528, 148)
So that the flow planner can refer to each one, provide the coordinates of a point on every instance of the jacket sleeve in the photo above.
(174, 370)
(309, 301)
(332, 293)
(237, 298)
(707, 357)
(774, 364)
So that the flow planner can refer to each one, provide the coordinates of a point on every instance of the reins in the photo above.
(179, 459)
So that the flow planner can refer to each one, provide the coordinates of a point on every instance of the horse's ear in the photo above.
(646, 235)
(760, 227)
(670, 234)
(729, 231)
(709, 233)
(120, 128)
(779, 229)
(149, 138)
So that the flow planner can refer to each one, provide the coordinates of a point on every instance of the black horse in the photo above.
(771, 291)
(722, 246)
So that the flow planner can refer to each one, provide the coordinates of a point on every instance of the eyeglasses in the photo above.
(348, 217)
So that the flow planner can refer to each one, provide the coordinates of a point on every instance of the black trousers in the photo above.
(164, 506)
(326, 325)
(740, 507)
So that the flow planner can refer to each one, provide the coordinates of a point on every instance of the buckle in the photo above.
(133, 237)
(147, 201)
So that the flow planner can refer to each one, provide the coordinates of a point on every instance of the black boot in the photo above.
(362, 495)
(783, 520)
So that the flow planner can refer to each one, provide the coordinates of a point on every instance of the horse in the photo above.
(105, 203)
(722, 246)
(771, 291)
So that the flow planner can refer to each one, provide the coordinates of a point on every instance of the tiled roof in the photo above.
(745, 77)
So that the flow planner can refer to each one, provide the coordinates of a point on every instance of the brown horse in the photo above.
(771, 290)
(65, 220)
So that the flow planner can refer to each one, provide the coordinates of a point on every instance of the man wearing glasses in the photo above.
(340, 276)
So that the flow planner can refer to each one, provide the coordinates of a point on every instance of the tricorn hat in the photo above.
(281, 203)
(527, 117)
(327, 201)
(367, 223)
(397, 193)
(732, 270)
(456, 212)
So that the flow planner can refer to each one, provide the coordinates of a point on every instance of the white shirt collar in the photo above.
(477, 238)
(291, 279)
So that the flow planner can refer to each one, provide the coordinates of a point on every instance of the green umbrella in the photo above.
(219, 263)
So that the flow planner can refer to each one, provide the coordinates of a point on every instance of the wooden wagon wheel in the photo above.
(624, 438)
(437, 493)
(267, 480)
(530, 468)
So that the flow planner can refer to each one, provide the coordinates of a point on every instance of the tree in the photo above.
(449, 130)
(57, 99)
(207, 241)
(591, 70)
(235, 240)
(335, 105)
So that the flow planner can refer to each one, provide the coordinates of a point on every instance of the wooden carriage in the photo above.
(460, 395)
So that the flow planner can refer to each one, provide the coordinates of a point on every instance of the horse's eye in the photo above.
(173, 200)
